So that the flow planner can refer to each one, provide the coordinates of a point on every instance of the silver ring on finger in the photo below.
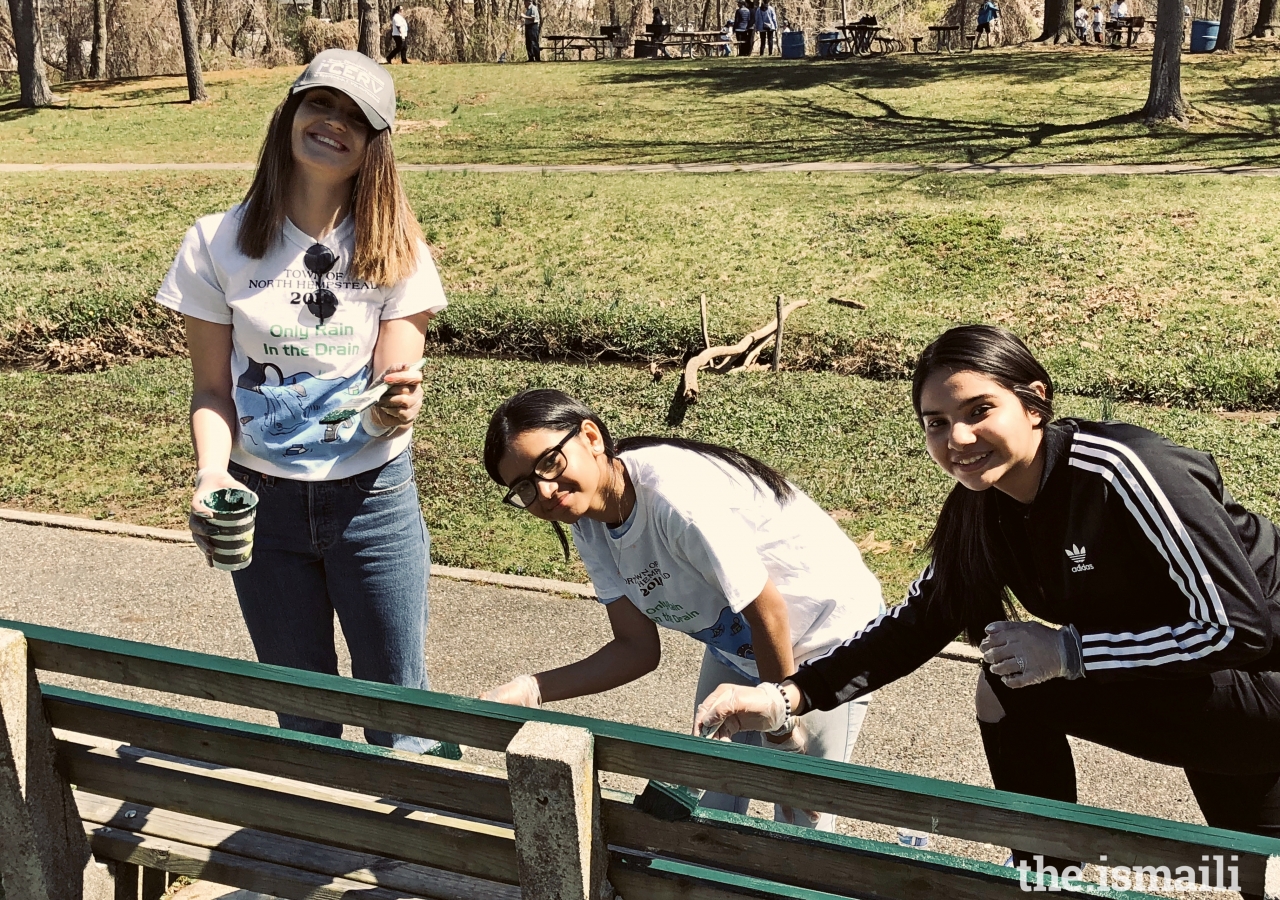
(1022, 665)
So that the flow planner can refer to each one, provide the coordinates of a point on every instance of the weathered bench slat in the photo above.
(362, 868)
(745, 845)
(823, 862)
(238, 798)
(226, 868)
(259, 860)
(423, 780)
(964, 811)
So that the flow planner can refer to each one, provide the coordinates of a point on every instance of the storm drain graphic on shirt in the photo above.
(730, 636)
(280, 413)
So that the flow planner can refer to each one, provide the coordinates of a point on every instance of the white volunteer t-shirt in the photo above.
(700, 544)
(288, 368)
(399, 26)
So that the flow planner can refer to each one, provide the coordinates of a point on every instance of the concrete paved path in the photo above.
(481, 635)
(862, 168)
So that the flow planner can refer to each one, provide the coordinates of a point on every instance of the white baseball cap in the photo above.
(357, 76)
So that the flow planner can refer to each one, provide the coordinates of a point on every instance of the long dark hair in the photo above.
(963, 539)
(556, 411)
(387, 233)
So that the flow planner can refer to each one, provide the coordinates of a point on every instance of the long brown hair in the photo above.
(963, 540)
(387, 234)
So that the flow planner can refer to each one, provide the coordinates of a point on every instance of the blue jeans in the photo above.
(358, 547)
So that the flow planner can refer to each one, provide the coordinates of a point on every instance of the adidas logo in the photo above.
(1076, 555)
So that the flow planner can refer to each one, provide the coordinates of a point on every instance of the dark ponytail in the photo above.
(963, 540)
(545, 408)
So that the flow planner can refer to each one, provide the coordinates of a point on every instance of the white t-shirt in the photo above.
(288, 368)
(1097, 19)
(1082, 18)
(399, 26)
(700, 544)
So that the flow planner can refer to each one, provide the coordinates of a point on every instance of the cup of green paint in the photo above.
(230, 528)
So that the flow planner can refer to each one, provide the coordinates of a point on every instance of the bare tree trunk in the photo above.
(1268, 19)
(317, 8)
(1164, 100)
(98, 60)
(1227, 27)
(191, 52)
(370, 29)
(457, 19)
(1059, 26)
(33, 84)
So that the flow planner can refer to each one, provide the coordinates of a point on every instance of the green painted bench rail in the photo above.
(724, 841)
(965, 811)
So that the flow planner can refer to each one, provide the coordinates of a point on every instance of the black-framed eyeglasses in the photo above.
(549, 466)
(323, 303)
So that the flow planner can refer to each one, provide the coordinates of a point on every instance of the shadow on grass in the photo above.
(1244, 131)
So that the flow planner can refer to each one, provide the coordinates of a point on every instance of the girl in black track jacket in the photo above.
(1165, 591)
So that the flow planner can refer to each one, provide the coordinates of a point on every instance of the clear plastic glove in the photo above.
(522, 690)
(1026, 653)
(795, 742)
(207, 481)
(732, 708)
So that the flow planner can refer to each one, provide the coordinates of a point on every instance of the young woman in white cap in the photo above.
(697, 538)
(294, 301)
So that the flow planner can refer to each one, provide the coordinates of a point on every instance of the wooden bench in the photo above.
(300, 816)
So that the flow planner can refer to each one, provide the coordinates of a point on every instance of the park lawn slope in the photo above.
(1023, 105)
(1154, 289)
(115, 445)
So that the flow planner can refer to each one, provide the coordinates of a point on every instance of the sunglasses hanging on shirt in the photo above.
(322, 304)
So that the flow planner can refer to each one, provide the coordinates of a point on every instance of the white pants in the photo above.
(831, 733)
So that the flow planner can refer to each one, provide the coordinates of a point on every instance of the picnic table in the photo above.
(692, 43)
(1133, 25)
(942, 36)
(561, 45)
(859, 37)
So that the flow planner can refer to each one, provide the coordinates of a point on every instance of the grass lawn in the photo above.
(1156, 289)
(1022, 105)
(114, 444)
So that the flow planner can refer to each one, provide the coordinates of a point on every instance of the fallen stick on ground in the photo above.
(746, 345)
(852, 304)
(706, 334)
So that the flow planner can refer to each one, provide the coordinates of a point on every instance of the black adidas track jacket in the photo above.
(1132, 539)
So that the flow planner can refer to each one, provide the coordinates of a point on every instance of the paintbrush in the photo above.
(366, 398)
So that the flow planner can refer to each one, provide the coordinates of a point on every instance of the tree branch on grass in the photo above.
(724, 358)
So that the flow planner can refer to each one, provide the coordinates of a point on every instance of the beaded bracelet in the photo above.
(788, 720)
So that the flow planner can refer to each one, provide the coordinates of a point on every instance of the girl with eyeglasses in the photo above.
(1161, 593)
(692, 536)
(294, 301)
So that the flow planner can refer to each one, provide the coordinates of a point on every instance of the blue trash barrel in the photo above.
(793, 45)
(1204, 35)
(826, 43)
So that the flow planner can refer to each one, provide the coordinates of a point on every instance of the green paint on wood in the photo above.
(615, 742)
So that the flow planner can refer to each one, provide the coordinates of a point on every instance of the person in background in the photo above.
(532, 19)
(657, 32)
(399, 34)
(1082, 22)
(1119, 12)
(988, 13)
(725, 47)
(766, 26)
(1097, 24)
(293, 302)
(742, 27)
